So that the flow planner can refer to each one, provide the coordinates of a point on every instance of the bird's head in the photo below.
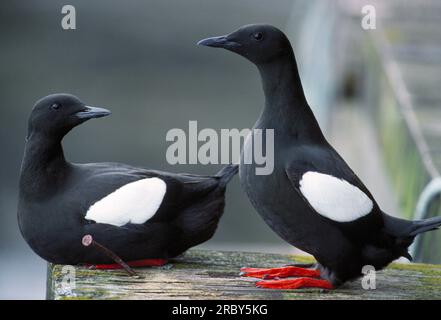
(259, 43)
(55, 115)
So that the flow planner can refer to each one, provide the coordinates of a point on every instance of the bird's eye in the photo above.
(258, 36)
(55, 106)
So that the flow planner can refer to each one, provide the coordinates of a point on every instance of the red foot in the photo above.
(136, 263)
(295, 284)
(284, 272)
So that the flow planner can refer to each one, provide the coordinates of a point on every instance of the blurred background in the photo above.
(375, 93)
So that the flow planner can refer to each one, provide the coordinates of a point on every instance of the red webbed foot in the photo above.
(295, 284)
(283, 272)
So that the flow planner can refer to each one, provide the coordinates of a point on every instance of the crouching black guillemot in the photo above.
(140, 216)
(312, 200)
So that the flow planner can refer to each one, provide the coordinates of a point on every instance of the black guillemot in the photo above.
(143, 217)
(313, 199)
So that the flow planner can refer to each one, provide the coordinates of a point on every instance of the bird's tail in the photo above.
(405, 231)
(421, 226)
(227, 173)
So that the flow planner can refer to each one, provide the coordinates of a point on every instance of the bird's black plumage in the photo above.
(294, 200)
(56, 194)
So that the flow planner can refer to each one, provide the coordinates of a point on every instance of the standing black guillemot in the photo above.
(312, 200)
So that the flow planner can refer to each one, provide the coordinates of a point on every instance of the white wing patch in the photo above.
(334, 198)
(135, 202)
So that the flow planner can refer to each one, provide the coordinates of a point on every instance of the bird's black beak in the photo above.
(92, 112)
(219, 42)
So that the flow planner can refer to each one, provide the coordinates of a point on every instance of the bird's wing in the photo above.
(135, 202)
(118, 194)
(332, 197)
(330, 188)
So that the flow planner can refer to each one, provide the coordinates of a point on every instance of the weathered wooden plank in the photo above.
(201, 274)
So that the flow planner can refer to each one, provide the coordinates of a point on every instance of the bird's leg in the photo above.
(295, 283)
(283, 272)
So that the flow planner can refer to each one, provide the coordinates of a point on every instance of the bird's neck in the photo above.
(44, 165)
(286, 107)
